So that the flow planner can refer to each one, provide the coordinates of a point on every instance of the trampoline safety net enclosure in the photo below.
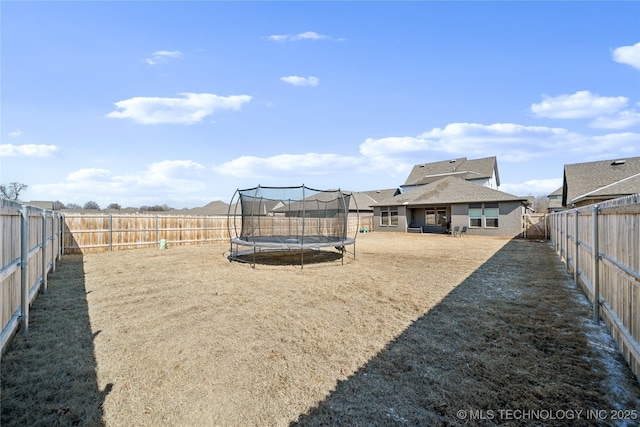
(288, 219)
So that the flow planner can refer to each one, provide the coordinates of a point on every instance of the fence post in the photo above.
(575, 255)
(54, 249)
(44, 252)
(110, 232)
(546, 227)
(63, 223)
(596, 268)
(24, 261)
(566, 239)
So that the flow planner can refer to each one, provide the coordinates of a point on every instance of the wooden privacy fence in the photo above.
(101, 232)
(106, 232)
(600, 245)
(29, 251)
(536, 226)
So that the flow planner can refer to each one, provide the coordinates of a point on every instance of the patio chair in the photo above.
(464, 231)
(456, 231)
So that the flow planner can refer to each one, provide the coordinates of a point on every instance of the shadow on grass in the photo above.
(49, 377)
(288, 257)
(509, 338)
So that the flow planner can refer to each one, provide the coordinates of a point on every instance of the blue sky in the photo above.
(182, 103)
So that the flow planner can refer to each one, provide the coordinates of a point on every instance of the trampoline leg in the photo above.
(254, 257)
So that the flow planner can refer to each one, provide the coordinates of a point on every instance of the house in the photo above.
(482, 172)
(452, 202)
(555, 200)
(593, 182)
(42, 204)
(359, 204)
(437, 197)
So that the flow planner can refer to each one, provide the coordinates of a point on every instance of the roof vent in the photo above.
(452, 161)
(618, 162)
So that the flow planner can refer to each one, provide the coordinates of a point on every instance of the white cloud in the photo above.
(27, 150)
(89, 175)
(512, 142)
(162, 182)
(301, 81)
(189, 109)
(308, 35)
(626, 142)
(621, 120)
(288, 165)
(163, 56)
(629, 55)
(582, 104)
(536, 187)
(168, 171)
(16, 133)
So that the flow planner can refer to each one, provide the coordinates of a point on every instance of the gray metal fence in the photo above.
(30, 247)
(600, 246)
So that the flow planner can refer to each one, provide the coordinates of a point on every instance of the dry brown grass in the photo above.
(414, 329)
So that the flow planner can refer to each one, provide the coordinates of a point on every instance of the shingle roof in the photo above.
(376, 195)
(361, 200)
(604, 178)
(558, 192)
(461, 167)
(357, 200)
(42, 204)
(450, 190)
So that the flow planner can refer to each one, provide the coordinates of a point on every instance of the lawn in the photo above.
(416, 330)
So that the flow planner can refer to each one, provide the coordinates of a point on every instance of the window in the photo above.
(475, 215)
(430, 218)
(389, 217)
(487, 214)
(491, 214)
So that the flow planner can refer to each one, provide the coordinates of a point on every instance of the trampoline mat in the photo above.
(292, 241)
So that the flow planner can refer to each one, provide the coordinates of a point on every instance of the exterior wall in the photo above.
(402, 221)
(460, 216)
(509, 221)
(511, 215)
(485, 182)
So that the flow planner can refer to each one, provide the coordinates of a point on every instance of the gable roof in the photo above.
(461, 167)
(600, 179)
(375, 195)
(558, 192)
(450, 190)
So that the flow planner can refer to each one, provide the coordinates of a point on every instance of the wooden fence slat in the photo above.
(29, 250)
(608, 244)
(91, 232)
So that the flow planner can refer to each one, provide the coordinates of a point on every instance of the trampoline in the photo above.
(273, 222)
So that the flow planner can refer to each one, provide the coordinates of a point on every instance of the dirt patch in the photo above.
(411, 331)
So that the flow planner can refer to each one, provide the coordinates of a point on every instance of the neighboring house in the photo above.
(482, 172)
(42, 204)
(452, 202)
(359, 204)
(555, 200)
(122, 211)
(593, 182)
(215, 208)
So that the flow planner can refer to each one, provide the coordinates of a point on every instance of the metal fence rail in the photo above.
(600, 246)
(29, 251)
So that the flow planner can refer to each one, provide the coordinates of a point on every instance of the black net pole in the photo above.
(302, 236)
